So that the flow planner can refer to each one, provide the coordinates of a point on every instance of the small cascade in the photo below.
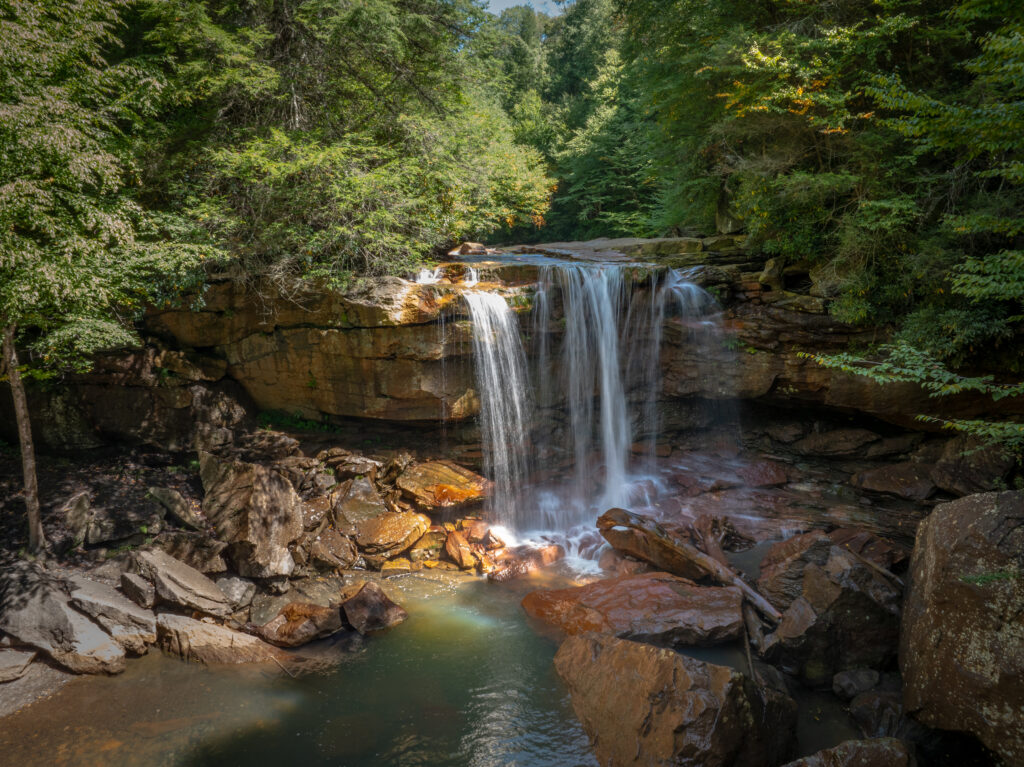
(505, 412)
(430, 276)
(472, 278)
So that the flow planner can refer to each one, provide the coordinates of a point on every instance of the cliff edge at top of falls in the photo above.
(394, 350)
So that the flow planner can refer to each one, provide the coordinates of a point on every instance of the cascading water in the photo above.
(505, 412)
(594, 366)
(430, 276)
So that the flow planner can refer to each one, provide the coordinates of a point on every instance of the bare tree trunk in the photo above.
(36, 536)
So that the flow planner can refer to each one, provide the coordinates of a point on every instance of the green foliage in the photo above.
(277, 419)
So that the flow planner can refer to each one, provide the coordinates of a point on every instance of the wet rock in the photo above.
(179, 508)
(379, 533)
(179, 584)
(197, 550)
(523, 560)
(398, 566)
(849, 684)
(330, 549)
(299, 623)
(648, 705)
(437, 484)
(131, 626)
(763, 474)
(877, 752)
(316, 512)
(962, 638)
(239, 591)
(910, 480)
(207, 643)
(138, 589)
(966, 466)
(357, 501)
(614, 561)
(35, 609)
(846, 617)
(369, 609)
(839, 442)
(871, 547)
(651, 606)
(457, 547)
(428, 546)
(348, 465)
(256, 511)
(782, 569)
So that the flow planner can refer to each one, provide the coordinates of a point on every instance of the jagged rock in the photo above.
(428, 546)
(962, 638)
(239, 591)
(967, 466)
(131, 626)
(178, 507)
(881, 552)
(207, 643)
(782, 569)
(316, 511)
(331, 549)
(436, 484)
(265, 445)
(652, 606)
(348, 465)
(846, 617)
(522, 560)
(877, 752)
(196, 550)
(910, 480)
(362, 515)
(356, 501)
(116, 524)
(256, 511)
(849, 684)
(180, 584)
(648, 705)
(299, 623)
(77, 513)
(138, 589)
(369, 609)
(457, 547)
(614, 561)
(35, 609)
(878, 713)
(14, 663)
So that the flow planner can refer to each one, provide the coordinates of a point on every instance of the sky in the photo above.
(497, 6)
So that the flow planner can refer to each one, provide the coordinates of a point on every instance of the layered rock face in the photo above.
(962, 637)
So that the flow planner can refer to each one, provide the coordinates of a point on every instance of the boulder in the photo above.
(436, 484)
(910, 480)
(196, 550)
(849, 684)
(369, 609)
(878, 550)
(837, 443)
(361, 514)
(428, 546)
(138, 589)
(331, 549)
(207, 643)
(458, 548)
(179, 584)
(878, 713)
(255, 510)
(651, 606)
(116, 524)
(14, 663)
(179, 508)
(614, 561)
(648, 705)
(77, 513)
(846, 617)
(131, 626)
(348, 465)
(299, 623)
(782, 569)
(967, 466)
(522, 560)
(357, 501)
(239, 591)
(36, 611)
(877, 752)
(962, 638)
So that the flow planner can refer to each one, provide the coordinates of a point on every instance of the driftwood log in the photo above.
(645, 539)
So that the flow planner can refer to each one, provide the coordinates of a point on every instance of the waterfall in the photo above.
(594, 373)
(472, 278)
(430, 276)
(504, 401)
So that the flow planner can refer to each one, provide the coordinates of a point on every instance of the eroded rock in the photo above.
(647, 705)
(207, 643)
(369, 609)
(131, 626)
(650, 606)
(14, 663)
(299, 623)
(436, 484)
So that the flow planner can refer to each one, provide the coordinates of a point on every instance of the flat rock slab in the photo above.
(435, 484)
(652, 606)
(180, 584)
(131, 626)
(207, 643)
(14, 663)
(37, 612)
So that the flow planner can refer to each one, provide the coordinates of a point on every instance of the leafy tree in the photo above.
(77, 256)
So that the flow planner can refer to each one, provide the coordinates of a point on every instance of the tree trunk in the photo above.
(36, 536)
